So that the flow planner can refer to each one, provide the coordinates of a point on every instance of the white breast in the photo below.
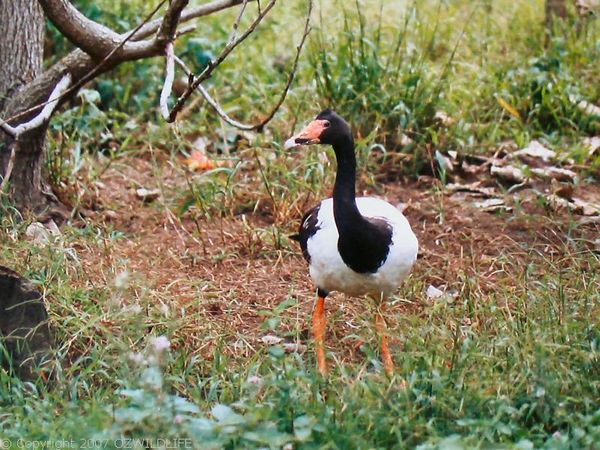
(329, 271)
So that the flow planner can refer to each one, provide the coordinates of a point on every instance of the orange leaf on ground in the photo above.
(199, 161)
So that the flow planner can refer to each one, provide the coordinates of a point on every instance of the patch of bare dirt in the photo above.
(227, 274)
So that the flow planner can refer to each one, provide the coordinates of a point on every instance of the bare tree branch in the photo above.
(9, 167)
(292, 74)
(35, 122)
(188, 14)
(44, 114)
(99, 41)
(259, 126)
(92, 37)
(84, 69)
(168, 27)
(80, 65)
(169, 78)
(184, 30)
(206, 73)
(236, 25)
(8, 129)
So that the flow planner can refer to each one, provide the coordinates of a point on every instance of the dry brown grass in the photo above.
(223, 275)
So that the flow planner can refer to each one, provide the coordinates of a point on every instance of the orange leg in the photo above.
(386, 356)
(319, 323)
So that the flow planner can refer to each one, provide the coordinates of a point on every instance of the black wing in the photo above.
(308, 227)
(366, 245)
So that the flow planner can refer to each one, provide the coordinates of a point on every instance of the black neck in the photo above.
(345, 211)
(363, 243)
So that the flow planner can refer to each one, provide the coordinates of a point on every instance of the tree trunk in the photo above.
(22, 55)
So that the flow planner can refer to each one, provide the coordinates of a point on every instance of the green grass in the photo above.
(514, 365)
(517, 368)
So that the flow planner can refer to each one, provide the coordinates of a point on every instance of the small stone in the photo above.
(433, 292)
(38, 233)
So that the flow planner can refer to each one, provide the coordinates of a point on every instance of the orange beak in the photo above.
(309, 135)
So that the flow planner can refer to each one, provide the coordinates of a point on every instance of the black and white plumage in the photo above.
(358, 246)
(373, 260)
(353, 245)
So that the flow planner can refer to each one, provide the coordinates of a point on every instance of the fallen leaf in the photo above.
(564, 190)
(271, 339)
(405, 140)
(473, 188)
(508, 173)
(555, 173)
(292, 347)
(109, 215)
(593, 220)
(444, 118)
(592, 144)
(559, 203)
(473, 169)
(587, 208)
(199, 161)
(254, 379)
(576, 205)
(147, 195)
(52, 227)
(401, 207)
(437, 293)
(588, 108)
(492, 205)
(444, 162)
(508, 107)
(536, 150)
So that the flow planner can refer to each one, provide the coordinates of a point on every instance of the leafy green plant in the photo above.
(382, 77)
(545, 93)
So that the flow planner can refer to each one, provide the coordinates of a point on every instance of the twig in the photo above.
(259, 126)
(169, 78)
(184, 30)
(206, 73)
(189, 14)
(292, 74)
(236, 25)
(4, 126)
(9, 167)
(44, 114)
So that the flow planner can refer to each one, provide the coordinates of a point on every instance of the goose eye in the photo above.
(326, 124)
